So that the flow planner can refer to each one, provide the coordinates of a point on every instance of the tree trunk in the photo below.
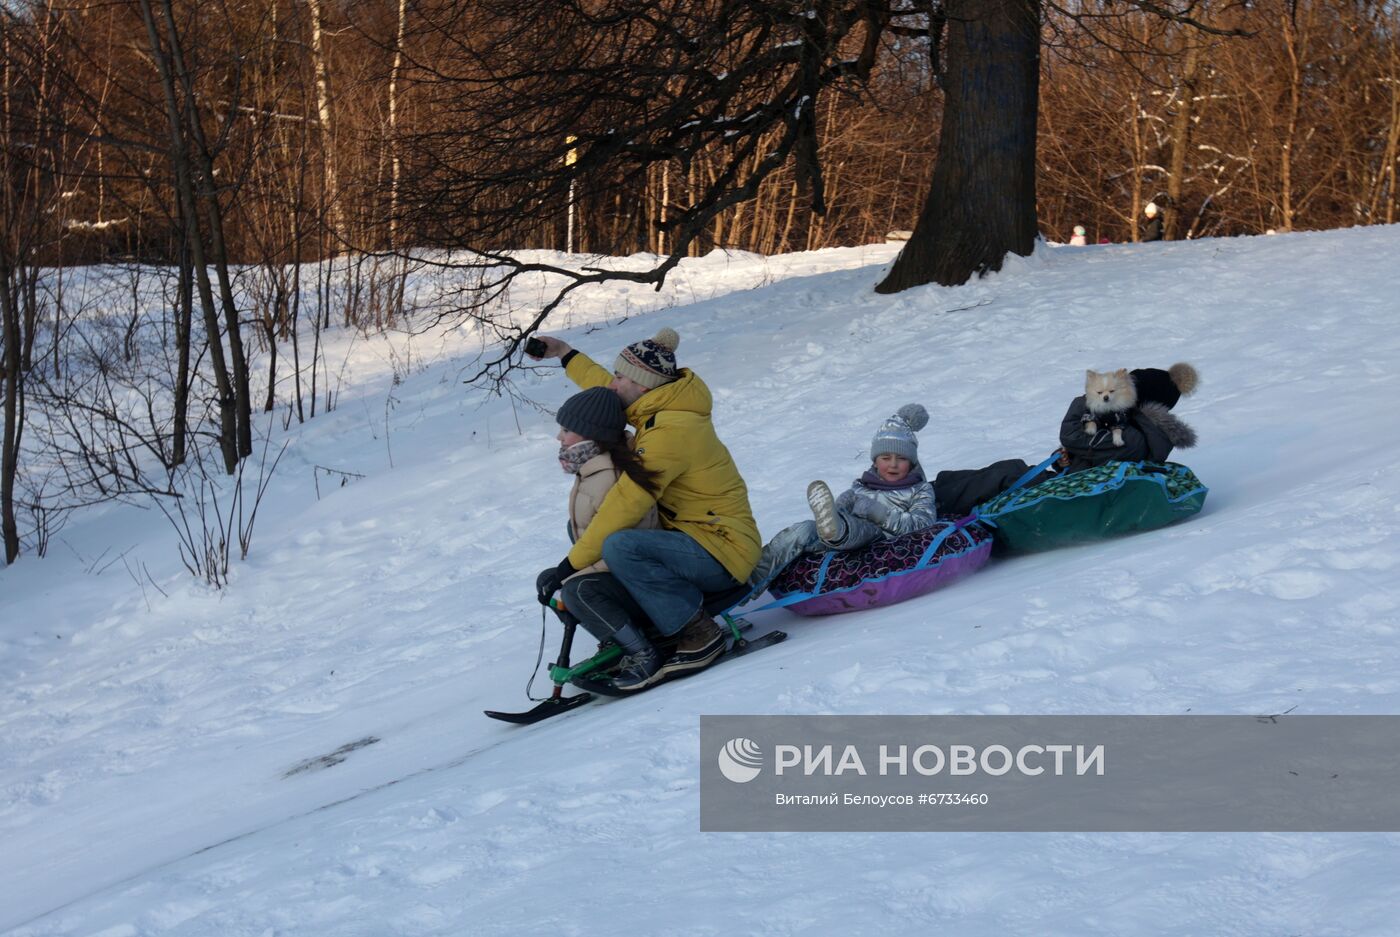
(14, 412)
(1182, 122)
(203, 162)
(270, 324)
(323, 111)
(1295, 44)
(400, 263)
(665, 205)
(981, 203)
(395, 157)
(184, 319)
(194, 240)
(1385, 179)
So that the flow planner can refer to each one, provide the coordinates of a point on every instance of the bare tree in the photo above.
(537, 108)
(178, 114)
(33, 161)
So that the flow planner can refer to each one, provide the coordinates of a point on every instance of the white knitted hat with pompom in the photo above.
(652, 361)
(896, 434)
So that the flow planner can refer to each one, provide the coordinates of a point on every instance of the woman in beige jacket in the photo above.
(595, 448)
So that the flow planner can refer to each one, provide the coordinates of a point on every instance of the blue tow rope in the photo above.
(1019, 483)
(928, 553)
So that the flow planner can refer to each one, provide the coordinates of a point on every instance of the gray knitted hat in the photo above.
(652, 361)
(897, 433)
(596, 413)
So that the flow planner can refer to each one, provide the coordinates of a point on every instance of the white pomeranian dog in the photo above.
(1109, 395)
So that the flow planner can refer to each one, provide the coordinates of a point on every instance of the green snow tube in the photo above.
(1105, 501)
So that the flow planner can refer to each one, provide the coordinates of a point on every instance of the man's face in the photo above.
(626, 388)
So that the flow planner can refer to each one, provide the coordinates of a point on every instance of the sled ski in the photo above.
(550, 707)
(602, 686)
(590, 675)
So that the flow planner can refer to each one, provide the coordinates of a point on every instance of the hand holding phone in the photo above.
(535, 348)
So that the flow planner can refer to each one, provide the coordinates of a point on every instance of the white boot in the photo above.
(829, 526)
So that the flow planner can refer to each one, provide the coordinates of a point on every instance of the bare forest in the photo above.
(258, 172)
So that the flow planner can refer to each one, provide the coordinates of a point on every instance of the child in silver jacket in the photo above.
(891, 499)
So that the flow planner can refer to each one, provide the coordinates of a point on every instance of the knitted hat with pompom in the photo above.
(650, 362)
(896, 434)
(1165, 387)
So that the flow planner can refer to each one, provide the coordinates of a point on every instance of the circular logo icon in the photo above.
(740, 760)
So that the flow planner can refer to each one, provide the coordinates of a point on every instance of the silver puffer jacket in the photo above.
(912, 508)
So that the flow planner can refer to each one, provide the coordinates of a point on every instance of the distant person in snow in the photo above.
(1140, 426)
(1152, 230)
(708, 541)
(1078, 239)
(892, 498)
(595, 448)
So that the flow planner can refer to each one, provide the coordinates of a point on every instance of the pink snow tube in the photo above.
(883, 573)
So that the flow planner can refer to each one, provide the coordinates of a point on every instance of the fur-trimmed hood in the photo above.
(1173, 427)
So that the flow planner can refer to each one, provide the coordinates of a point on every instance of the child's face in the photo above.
(891, 467)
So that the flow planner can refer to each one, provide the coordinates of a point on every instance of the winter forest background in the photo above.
(276, 475)
(250, 174)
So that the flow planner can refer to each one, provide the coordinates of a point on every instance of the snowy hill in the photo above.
(150, 727)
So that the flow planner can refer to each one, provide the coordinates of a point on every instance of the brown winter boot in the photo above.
(701, 642)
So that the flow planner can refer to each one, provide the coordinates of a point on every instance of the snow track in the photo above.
(144, 738)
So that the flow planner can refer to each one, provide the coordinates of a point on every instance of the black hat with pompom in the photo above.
(1165, 387)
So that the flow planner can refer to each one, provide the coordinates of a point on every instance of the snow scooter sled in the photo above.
(591, 675)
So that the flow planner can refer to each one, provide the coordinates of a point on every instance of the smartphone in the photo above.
(534, 347)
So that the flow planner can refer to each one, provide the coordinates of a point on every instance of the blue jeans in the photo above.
(667, 572)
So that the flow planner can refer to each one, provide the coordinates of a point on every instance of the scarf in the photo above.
(571, 458)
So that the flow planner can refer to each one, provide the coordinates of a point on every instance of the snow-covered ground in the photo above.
(147, 734)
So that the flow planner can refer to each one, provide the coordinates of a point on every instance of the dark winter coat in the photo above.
(961, 490)
(1150, 434)
(1153, 229)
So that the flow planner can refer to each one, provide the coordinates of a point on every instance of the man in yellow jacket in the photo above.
(708, 542)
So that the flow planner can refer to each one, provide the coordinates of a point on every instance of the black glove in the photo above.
(548, 581)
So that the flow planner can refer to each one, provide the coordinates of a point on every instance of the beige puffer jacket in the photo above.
(595, 479)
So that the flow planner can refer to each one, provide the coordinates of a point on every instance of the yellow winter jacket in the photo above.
(594, 480)
(702, 492)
